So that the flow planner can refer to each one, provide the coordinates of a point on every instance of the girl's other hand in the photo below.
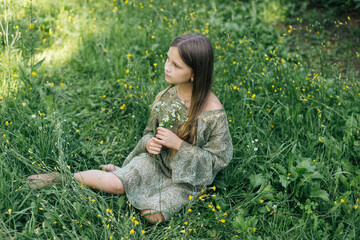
(109, 167)
(168, 138)
(153, 147)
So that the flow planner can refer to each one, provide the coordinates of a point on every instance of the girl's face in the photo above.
(176, 71)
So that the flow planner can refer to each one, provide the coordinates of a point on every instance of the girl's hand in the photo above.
(152, 146)
(168, 138)
(109, 167)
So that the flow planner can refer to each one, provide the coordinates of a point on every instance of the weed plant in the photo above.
(77, 82)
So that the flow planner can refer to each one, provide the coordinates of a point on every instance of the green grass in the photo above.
(289, 84)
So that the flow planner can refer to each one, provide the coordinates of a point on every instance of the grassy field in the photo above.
(77, 79)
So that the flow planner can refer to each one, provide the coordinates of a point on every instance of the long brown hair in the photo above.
(196, 52)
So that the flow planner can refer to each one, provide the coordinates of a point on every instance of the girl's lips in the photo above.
(167, 76)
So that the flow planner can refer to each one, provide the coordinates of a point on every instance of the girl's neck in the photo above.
(184, 92)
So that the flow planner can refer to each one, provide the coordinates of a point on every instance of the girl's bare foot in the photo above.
(109, 167)
(43, 180)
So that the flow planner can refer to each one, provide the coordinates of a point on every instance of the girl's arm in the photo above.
(149, 132)
(198, 166)
(167, 138)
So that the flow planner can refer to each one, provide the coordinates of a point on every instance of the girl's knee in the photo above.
(152, 216)
(117, 184)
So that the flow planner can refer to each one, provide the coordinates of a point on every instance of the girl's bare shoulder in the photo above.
(212, 103)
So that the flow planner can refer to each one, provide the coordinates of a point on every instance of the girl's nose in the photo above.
(167, 67)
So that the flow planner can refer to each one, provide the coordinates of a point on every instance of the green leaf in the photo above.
(256, 180)
(38, 64)
(350, 126)
(316, 192)
(291, 161)
(283, 180)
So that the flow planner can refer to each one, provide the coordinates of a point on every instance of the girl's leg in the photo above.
(100, 180)
(43, 180)
(152, 216)
(96, 179)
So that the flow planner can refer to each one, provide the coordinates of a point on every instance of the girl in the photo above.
(169, 164)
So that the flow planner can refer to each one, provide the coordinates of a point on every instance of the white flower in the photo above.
(255, 149)
(33, 116)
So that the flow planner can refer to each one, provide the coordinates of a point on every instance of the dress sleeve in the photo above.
(197, 165)
(149, 132)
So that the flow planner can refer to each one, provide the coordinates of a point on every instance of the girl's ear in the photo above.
(192, 77)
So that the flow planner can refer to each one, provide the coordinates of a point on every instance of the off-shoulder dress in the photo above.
(164, 183)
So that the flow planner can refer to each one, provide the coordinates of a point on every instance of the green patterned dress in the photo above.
(164, 184)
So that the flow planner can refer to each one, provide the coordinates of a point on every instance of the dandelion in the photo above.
(142, 232)
(190, 197)
(355, 207)
(342, 200)
(261, 201)
(222, 220)
(34, 73)
(335, 202)
(253, 96)
(132, 231)
(214, 188)
(15, 75)
(254, 229)
(136, 222)
(189, 210)
(127, 71)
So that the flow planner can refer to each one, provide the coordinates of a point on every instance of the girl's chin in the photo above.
(168, 80)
